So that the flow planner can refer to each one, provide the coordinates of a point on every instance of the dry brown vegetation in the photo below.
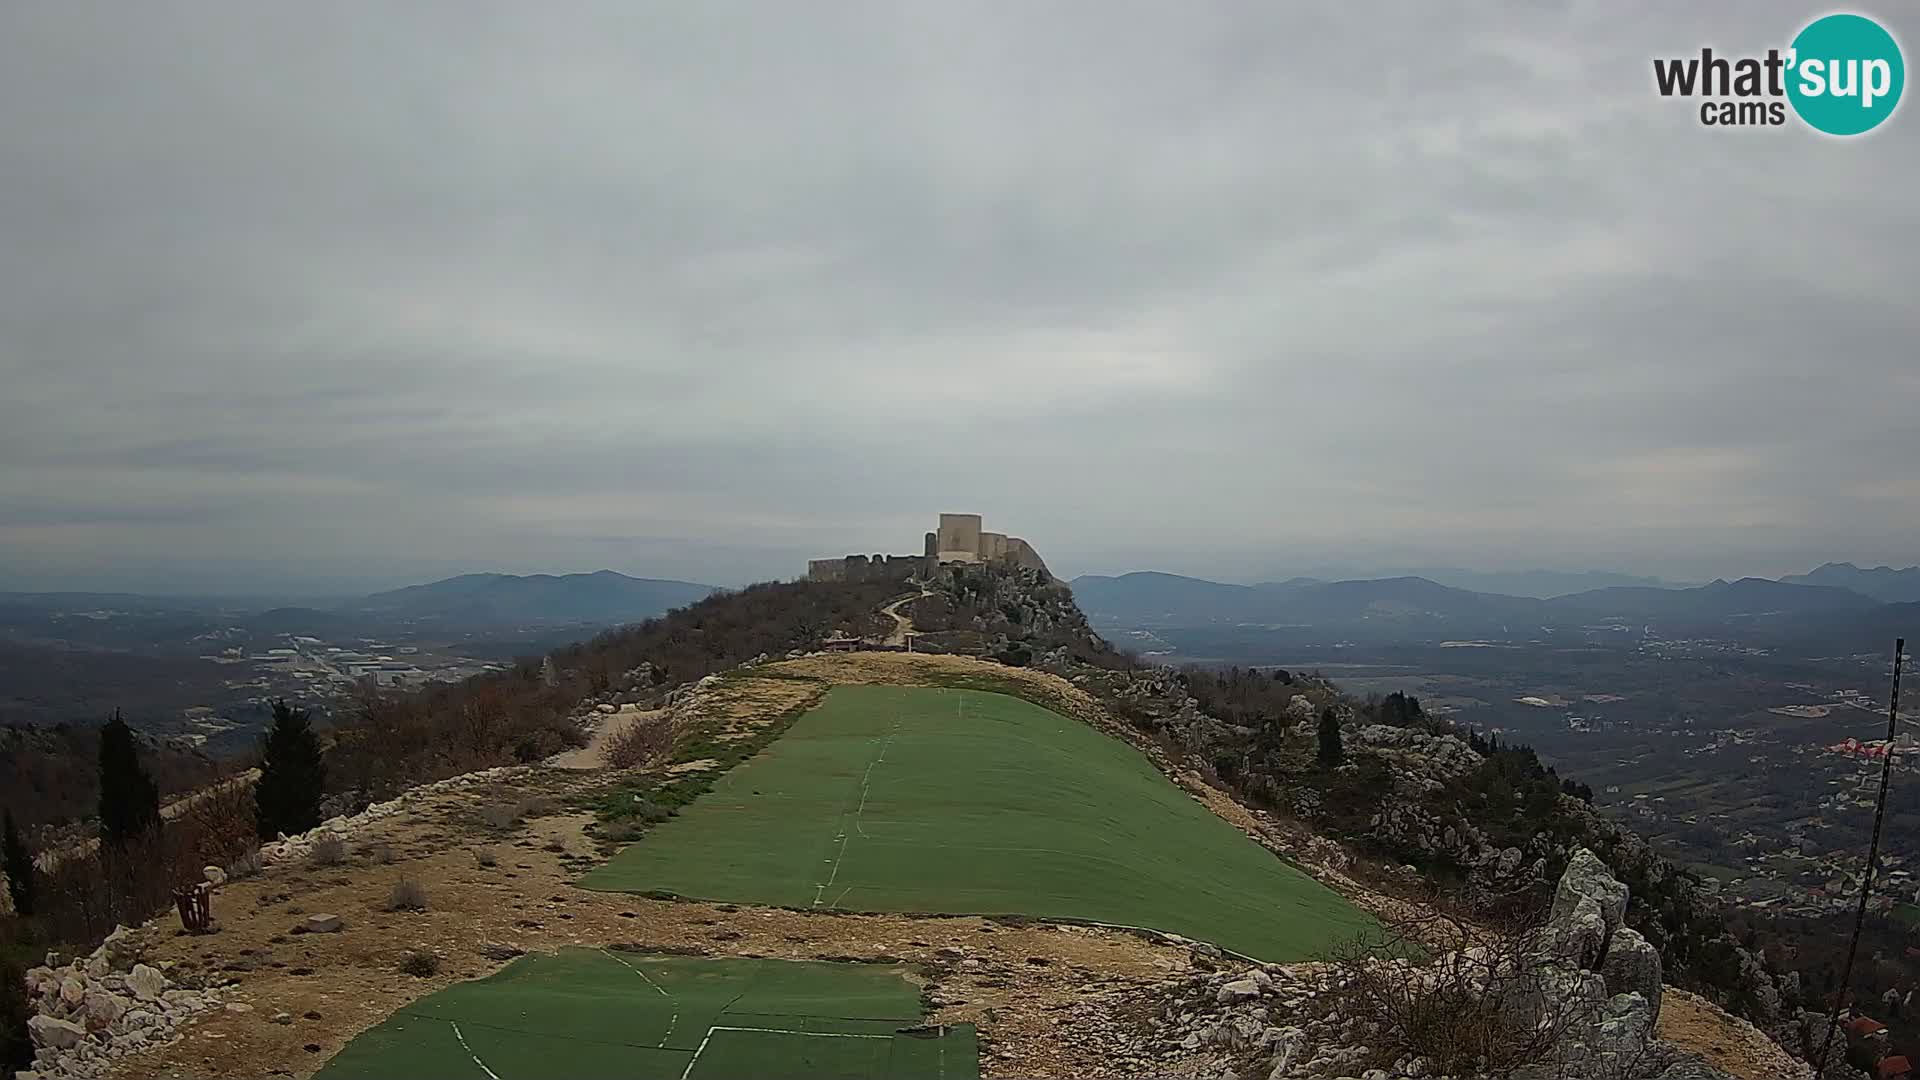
(407, 895)
(329, 850)
(389, 742)
(1476, 1008)
(639, 744)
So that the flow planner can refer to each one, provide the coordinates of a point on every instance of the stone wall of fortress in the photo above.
(863, 568)
(959, 539)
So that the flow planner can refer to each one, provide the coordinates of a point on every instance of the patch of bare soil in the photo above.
(936, 669)
(305, 995)
(738, 706)
(594, 754)
(1727, 1042)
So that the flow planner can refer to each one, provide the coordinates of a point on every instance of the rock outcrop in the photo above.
(91, 1011)
(1584, 979)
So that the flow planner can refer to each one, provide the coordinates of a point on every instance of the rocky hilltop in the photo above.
(1450, 841)
(1577, 998)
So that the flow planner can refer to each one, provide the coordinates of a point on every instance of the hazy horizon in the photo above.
(293, 587)
(699, 293)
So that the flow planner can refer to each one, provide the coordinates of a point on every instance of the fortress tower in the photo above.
(959, 539)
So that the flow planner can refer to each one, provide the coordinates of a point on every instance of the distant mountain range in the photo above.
(1882, 582)
(476, 601)
(1418, 607)
(1539, 584)
(603, 597)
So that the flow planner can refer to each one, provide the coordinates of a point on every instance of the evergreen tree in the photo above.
(18, 862)
(293, 777)
(16, 1041)
(1331, 752)
(129, 799)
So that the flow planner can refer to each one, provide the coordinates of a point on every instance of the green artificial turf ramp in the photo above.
(590, 1012)
(958, 801)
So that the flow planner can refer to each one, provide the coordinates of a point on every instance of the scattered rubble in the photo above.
(91, 1011)
(289, 848)
(1595, 981)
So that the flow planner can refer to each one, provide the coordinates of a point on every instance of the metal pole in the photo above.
(1873, 852)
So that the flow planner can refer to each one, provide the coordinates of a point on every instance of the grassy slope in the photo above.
(940, 800)
(590, 1013)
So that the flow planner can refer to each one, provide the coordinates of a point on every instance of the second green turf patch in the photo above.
(963, 802)
(592, 1012)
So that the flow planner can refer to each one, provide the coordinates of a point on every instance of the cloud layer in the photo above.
(355, 294)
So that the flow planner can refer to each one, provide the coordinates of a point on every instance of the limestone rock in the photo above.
(55, 1034)
(146, 982)
(323, 924)
(1588, 878)
(73, 991)
(102, 1009)
(1632, 966)
(1237, 990)
(122, 949)
(1579, 937)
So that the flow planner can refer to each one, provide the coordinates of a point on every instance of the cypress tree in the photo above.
(16, 1040)
(293, 776)
(129, 799)
(1331, 752)
(18, 862)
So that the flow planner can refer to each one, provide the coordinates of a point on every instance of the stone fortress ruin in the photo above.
(959, 539)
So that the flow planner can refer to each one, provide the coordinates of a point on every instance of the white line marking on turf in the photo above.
(866, 784)
(688, 1071)
(470, 1053)
(675, 1019)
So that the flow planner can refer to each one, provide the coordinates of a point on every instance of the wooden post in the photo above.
(196, 906)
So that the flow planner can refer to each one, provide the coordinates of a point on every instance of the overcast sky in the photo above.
(345, 294)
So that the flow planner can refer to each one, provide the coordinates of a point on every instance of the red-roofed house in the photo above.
(1896, 1067)
(1862, 1026)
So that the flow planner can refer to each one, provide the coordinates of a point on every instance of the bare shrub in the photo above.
(642, 743)
(381, 853)
(485, 858)
(328, 850)
(218, 823)
(85, 892)
(407, 895)
(500, 816)
(539, 806)
(621, 832)
(1482, 1009)
(420, 963)
(245, 865)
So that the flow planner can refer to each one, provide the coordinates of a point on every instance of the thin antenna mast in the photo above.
(1873, 854)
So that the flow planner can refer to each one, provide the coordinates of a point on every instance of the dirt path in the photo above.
(902, 625)
(594, 754)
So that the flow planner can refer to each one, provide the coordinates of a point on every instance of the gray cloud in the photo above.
(359, 293)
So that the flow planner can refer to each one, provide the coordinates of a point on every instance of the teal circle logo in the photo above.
(1845, 74)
